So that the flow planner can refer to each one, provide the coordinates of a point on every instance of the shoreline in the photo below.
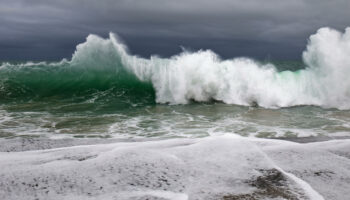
(228, 167)
(20, 144)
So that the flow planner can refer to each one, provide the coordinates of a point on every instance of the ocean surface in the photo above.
(105, 92)
(114, 114)
(191, 118)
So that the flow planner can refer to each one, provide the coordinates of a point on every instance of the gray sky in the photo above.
(278, 29)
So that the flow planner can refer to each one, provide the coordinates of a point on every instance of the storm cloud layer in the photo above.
(50, 30)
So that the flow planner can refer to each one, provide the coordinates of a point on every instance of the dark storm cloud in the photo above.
(48, 29)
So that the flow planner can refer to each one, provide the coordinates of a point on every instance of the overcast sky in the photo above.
(276, 29)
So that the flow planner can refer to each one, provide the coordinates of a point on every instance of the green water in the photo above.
(59, 104)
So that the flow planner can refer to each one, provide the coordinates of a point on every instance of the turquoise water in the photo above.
(103, 91)
(110, 109)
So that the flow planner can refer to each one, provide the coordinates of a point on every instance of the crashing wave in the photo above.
(194, 76)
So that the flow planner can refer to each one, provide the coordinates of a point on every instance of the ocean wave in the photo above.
(101, 64)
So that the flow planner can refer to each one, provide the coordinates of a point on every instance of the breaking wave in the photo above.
(105, 65)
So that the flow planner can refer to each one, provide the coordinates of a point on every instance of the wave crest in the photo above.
(194, 76)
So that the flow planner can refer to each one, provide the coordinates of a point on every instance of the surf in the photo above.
(105, 64)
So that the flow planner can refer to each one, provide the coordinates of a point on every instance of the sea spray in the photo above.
(105, 65)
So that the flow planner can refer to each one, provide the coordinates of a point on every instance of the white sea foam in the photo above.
(202, 168)
(203, 76)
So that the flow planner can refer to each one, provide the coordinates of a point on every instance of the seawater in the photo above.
(103, 91)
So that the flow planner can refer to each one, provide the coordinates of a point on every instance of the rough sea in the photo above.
(106, 124)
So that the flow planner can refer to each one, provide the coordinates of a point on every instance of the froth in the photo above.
(203, 76)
